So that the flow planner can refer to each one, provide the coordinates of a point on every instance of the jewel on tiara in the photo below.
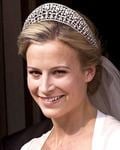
(63, 14)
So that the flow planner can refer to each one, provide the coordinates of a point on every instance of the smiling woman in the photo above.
(65, 76)
(57, 83)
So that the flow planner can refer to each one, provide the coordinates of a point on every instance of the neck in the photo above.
(75, 122)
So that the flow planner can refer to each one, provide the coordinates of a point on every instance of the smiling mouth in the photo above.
(52, 99)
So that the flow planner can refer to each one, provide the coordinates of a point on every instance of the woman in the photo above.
(66, 73)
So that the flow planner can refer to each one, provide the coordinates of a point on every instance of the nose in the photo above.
(46, 86)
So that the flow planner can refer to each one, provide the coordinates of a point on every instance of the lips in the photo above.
(52, 99)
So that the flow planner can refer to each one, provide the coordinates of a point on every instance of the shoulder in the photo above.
(111, 124)
(107, 122)
(31, 144)
(36, 143)
(111, 133)
(106, 133)
(112, 136)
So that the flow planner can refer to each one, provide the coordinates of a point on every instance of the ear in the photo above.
(90, 73)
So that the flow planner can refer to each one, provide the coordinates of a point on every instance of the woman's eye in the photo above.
(35, 74)
(59, 73)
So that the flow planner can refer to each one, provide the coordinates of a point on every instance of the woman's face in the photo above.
(55, 78)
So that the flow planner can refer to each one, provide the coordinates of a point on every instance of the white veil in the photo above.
(107, 98)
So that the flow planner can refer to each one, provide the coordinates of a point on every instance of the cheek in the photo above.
(66, 84)
(32, 85)
(75, 85)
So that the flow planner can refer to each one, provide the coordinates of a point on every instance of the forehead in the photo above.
(51, 52)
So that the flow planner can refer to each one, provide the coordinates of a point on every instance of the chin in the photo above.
(52, 114)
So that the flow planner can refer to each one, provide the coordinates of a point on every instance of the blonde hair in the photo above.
(50, 30)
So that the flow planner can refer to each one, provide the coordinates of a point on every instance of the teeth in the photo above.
(52, 99)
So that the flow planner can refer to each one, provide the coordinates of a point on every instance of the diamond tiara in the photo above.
(63, 14)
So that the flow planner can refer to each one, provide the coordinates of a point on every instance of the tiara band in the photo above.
(63, 14)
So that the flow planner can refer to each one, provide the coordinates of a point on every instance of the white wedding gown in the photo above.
(106, 135)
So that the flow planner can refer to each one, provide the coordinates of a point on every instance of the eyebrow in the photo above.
(53, 68)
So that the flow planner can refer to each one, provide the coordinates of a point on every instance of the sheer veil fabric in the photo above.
(107, 98)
